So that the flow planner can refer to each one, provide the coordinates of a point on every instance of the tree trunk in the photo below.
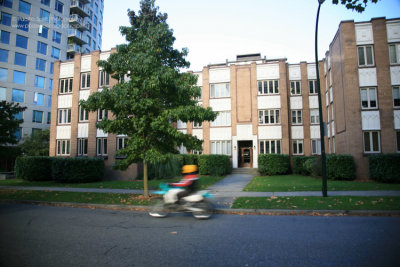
(145, 179)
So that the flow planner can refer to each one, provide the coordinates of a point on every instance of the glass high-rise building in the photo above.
(33, 35)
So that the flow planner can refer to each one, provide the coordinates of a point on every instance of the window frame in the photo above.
(396, 87)
(82, 149)
(85, 80)
(83, 114)
(314, 110)
(371, 142)
(297, 143)
(221, 93)
(104, 78)
(64, 116)
(63, 147)
(264, 87)
(396, 53)
(297, 119)
(224, 146)
(277, 118)
(295, 87)
(316, 143)
(314, 90)
(14, 99)
(101, 114)
(265, 145)
(101, 146)
(223, 119)
(65, 86)
(34, 116)
(364, 53)
(368, 89)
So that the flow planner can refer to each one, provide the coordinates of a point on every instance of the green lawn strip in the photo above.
(205, 181)
(289, 183)
(318, 203)
(76, 197)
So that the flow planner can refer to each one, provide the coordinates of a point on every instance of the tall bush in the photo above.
(340, 167)
(35, 168)
(298, 165)
(214, 165)
(384, 168)
(77, 170)
(271, 164)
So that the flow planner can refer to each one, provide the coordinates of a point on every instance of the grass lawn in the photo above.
(75, 197)
(318, 203)
(288, 183)
(204, 182)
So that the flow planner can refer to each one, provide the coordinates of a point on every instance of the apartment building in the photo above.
(265, 105)
(34, 34)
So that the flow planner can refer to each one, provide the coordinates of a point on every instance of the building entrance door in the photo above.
(245, 154)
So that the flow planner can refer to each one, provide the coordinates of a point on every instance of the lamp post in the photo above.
(321, 124)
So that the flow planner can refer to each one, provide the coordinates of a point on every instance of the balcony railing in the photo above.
(77, 7)
(77, 22)
(74, 48)
(76, 36)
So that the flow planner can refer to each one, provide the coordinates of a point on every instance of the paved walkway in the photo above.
(225, 191)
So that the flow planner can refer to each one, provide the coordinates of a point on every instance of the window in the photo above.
(94, 42)
(372, 142)
(312, 85)
(269, 116)
(64, 116)
(40, 64)
(181, 125)
(101, 146)
(45, 2)
(49, 99)
(102, 114)
(17, 95)
(221, 147)
(24, 7)
(19, 77)
(21, 41)
(51, 67)
(365, 56)
(4, 37)
(96, 8)
(297, 117)
(95, 20)
(197, 124)
(38, 99)
(295, 88)
(3, 55)
(5, 19)
(396, 96)
(331, 94)
(104, 78)
(55, 52)
(268, 87)
(85, 80)
(297, 146)
(197, 152)
(327, 98)
(398, 141)
(220, 90)
(66, 86)
(223, 119)
(41, 48)
(200, 97)
(394, 53)
(270, 147)
(23, 24)
(19, 116)
(121, 142)
(48, 117)
(315, 146)
(3, 75)
(20, 59)
(2, 93)
(83, 114)
(37, 116)
(39, 81)
(6, 3)
(63, 147)
(51, 84)
(18, 134)
(44, 16)
(57, 21)
(56, 37)
(314, 116)
(82, 146)
(43, 31)
(368, 98)
(59, 6)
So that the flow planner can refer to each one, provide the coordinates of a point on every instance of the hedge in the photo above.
(272, 164)
(77, 170)
(214, 165)
(36, 168)
(313, 165)
(384, 168)
(340, 167)
(298, 166)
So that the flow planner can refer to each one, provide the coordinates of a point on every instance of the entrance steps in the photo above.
(250, 171)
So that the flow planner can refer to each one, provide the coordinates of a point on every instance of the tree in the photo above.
(8, 123)
(152, 92)
(37, 144)
(357, 5)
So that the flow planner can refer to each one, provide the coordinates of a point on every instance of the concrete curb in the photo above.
(217, 211)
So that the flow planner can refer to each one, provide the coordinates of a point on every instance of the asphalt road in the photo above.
(57, 236)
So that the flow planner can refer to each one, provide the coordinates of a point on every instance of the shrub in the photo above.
(35, 168)
(384, 168)
(77, 170)
(340, 167)
(166, 169)
(8, 155)
(298, 166)
(271, 164)
(313, 165)
(214, 164)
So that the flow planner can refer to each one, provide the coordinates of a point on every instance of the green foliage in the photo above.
(37, 144)
(217, 165)
(357, 5)
(298, 166)
(384, 168)
(33, 168)
(8, 124)
(271, 164)
(340, 167)
(8, 154)
(165, 169)
(77, 170)
(313, 166)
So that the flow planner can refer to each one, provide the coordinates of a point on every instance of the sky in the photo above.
(217, 30)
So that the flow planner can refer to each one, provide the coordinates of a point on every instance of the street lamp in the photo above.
(321, 124)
